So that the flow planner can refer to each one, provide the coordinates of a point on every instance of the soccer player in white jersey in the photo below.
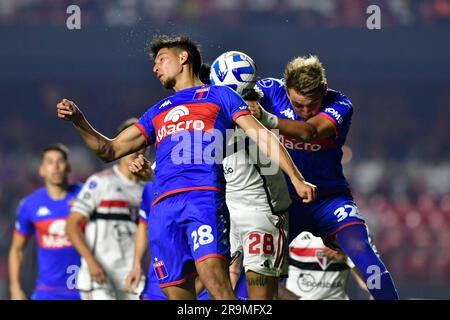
(317, 272)
(258, 199)
(107, 208)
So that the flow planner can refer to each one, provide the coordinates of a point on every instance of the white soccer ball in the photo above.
(235, 70)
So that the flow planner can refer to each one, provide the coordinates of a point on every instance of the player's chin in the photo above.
(168, 84)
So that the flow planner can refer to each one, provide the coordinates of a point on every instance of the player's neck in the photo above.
(186, 81)
(123, 169)
(57, 192)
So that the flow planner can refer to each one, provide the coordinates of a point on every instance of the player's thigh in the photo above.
(98, 294)
(123, 295)
(261, 287)
(206, 223)
(172, 261)
(182, 291)
(335, 214)
(264, 239)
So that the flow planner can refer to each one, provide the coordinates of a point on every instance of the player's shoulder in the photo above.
(337, 98)
(75, 188)
(304, 240)
(99, 178)
(269, 85)
(222, 90)
(32, 200)
(36, 195)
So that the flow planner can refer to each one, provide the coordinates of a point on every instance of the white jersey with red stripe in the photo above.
(111, 202)
(258, 199)
(313, 276)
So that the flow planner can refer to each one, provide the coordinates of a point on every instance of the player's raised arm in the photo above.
(270, 146)
(128, 141)
(314, 128)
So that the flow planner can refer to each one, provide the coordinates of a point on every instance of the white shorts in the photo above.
(262, 238)
(107, 294)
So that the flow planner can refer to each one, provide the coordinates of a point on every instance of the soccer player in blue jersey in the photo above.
(189, 219)
(151, 290)
(43, 214)
(313, 122)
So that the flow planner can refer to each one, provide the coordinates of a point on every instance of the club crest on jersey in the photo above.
(201, 93)
(160, 270)
(322, 259)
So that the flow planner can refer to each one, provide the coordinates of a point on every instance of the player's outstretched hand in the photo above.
(68, 110)
(255, 108)
(141, 168)
(133, 279)
(307, 191)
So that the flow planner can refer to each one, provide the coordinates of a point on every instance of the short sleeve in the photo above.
(24, 226)
(233, 104)
(145, 126)
(339, 114)
(266, 89)
(89, 197)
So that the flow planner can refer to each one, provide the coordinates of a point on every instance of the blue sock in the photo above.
(354, 241)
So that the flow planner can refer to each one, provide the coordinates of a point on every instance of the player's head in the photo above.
(54, 165)
(129, 158)
(172, 56)
(306, 85)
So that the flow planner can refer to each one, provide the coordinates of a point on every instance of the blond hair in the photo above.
(306, 75)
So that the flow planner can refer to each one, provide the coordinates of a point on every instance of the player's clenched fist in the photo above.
(141, 168)
(307, 191)
(255, 108)
(68, 110)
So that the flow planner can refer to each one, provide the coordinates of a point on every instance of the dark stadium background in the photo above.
(398, 150)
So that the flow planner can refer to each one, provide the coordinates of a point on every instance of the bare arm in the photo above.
(140, 247)
(272, 147)
(76, 236)
(15, 260)
(128, 141)
(314, 128)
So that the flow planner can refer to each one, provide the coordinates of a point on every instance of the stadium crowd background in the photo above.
(397, 157)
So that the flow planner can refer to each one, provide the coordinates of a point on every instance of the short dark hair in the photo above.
(204, 72)
(56, 147)
(127, 123)
(182, 42)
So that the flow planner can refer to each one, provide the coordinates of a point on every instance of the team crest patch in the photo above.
(201, 93)
(160, 270)
(322, 259)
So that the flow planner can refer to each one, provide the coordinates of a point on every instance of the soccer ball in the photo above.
(235, 70)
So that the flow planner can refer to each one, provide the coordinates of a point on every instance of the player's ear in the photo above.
(69, 168)
(183, 56)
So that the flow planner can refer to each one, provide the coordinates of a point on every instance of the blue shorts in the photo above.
(55, 294)
(324, 217)
(185, 229)
(151, 290)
